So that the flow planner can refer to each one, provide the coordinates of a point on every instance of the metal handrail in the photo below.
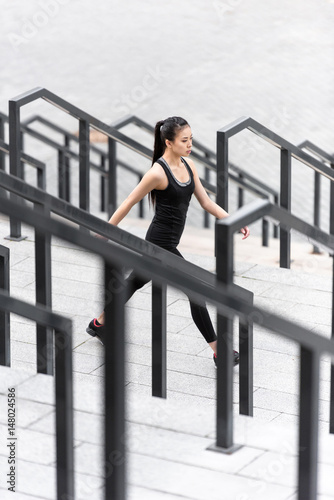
(62, 338)
(228, 304)
(4, 316)
(59, 147)
(120, 237)
(321, 153)
(257, 187)
(74, 138)
(60, 130)
(288, 151)
(310, 355)
(117, 235)
(65, 154)
(211, 188)
(258, 208)
(135, 120)
(132, 119)
(41, 93)
(325, 157)
(130, 241)
(85, 121)
(268, 135)
(39, 165)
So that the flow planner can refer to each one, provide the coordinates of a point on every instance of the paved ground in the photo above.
(209, 61)
(167, 439)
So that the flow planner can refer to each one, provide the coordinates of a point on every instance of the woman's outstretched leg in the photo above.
(96, 326)
(202, 320)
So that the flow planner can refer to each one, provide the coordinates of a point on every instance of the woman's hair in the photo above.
(165, 129)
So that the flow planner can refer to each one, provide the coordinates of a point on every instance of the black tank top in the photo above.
(171, 208)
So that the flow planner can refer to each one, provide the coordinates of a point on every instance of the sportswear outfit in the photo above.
(165, 231)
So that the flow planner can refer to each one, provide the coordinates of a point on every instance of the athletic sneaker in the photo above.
(236, 358)
(95, 329)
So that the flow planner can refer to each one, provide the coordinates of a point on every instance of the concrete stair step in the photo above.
(167, 446)
(168, 438)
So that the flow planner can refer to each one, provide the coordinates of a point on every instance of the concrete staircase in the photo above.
(168, 439)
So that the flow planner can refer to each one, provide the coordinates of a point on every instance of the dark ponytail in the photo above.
(165, 130)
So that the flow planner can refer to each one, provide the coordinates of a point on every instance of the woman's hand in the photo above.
(245, 231)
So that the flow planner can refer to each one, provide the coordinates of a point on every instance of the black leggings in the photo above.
(199, 314)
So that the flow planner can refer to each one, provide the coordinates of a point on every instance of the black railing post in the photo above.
(15, 165)
(23, 174)
(331, 403)
(316, 207)
(275, 234)
(2, 137)
(64, 414)
(61, 175)
(115, 459)
(67, 170)
(3, 193)
(240, 193)
(265, 232)
(222, 170)
(112, 179)
(4, 315)
(84, 165)
(331, 230)
(207, 178)
(141, 203)
(246, 387)
(285, 201)
(103, 185)
(41, 179)
(308, 424)
(159, 342)
(224, 269)
(45, 342)
(222, 173)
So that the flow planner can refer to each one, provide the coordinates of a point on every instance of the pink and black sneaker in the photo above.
(95, 329)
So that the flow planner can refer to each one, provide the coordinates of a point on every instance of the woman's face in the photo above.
(182, 143)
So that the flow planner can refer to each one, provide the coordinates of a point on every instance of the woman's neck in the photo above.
(172, 159)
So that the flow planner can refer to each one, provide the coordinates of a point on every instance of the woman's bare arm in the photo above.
(206, 202)
(203, 197)
(151, 180)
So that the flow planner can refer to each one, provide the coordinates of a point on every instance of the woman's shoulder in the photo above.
(190, 163)
(156, 171)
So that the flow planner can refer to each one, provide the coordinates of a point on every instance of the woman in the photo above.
(170, 183)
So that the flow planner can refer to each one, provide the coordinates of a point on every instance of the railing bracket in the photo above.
(226, 451)
(15, 238)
